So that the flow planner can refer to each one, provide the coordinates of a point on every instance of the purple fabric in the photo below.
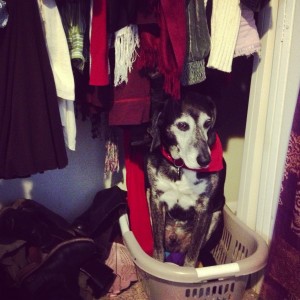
(282, 280)
(175, 258)
(255, 5)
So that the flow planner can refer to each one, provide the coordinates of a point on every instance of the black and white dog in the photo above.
(186, 176)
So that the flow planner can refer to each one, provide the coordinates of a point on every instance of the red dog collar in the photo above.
(215, 165)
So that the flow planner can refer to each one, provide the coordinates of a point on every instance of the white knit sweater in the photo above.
(225, 22)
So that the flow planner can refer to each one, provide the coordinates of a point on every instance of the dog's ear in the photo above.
(211, 137)
(161, 119)
(155, 131)
(156, 126)
(213, 112)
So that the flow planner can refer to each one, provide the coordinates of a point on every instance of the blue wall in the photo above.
(67, 191)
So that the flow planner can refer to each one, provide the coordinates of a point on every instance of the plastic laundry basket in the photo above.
(240, 253)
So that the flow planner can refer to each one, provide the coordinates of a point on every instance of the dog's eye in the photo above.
(207, 123)
(183, 126)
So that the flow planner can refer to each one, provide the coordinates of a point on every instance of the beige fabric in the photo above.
(126, 43)
(67, 116)
(225, 22)
(59, 56)
(120, 261)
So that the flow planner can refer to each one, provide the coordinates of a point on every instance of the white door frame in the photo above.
(274, 90)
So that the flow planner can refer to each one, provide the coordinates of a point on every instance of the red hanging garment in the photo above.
(99, 45)
(139, 215)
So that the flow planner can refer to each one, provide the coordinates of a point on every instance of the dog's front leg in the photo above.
(158, 227)
(199, 236)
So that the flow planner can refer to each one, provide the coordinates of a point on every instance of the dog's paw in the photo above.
(158, 255)
(189, 263)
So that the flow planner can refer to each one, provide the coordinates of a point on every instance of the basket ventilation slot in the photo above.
(240, 251)
(216, 292)
(220, 252)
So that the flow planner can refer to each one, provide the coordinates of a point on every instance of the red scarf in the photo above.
(99, 45)
(215, 165)
(139, 214)
(166, 51)
(172, 44)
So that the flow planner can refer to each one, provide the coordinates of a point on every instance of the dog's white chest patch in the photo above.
(184, 192)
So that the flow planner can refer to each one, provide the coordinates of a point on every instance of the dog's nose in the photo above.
(203, 161)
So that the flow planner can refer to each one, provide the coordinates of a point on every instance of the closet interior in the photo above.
(78, 78)
(72, 184)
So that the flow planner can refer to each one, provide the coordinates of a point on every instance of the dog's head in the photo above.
(187, 129)
(178, 235)
(179, 225)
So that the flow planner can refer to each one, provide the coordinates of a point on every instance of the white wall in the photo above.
(274, 90)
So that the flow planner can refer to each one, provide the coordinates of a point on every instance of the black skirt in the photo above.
(31, 136)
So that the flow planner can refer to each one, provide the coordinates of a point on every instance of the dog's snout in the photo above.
(173, 237)
(203, 160)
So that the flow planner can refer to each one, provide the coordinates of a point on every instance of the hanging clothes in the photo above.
(172, 47)
(31, 137)
(121, 14)
(255, 5)
(248, 41)
(75, 18)
(225, 22)
(126, 43)
(131, 90)
(124, 37)
(198, 43)
(131, 104)
(99, 72)
(60, 61)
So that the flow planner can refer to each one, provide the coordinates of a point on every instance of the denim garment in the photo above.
(3, 14)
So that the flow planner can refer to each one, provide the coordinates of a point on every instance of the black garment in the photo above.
(255, 5)
(99, 220)
(31, 137)
(64, 254)
(121, 14)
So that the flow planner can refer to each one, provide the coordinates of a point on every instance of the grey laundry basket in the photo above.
(240, 253)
